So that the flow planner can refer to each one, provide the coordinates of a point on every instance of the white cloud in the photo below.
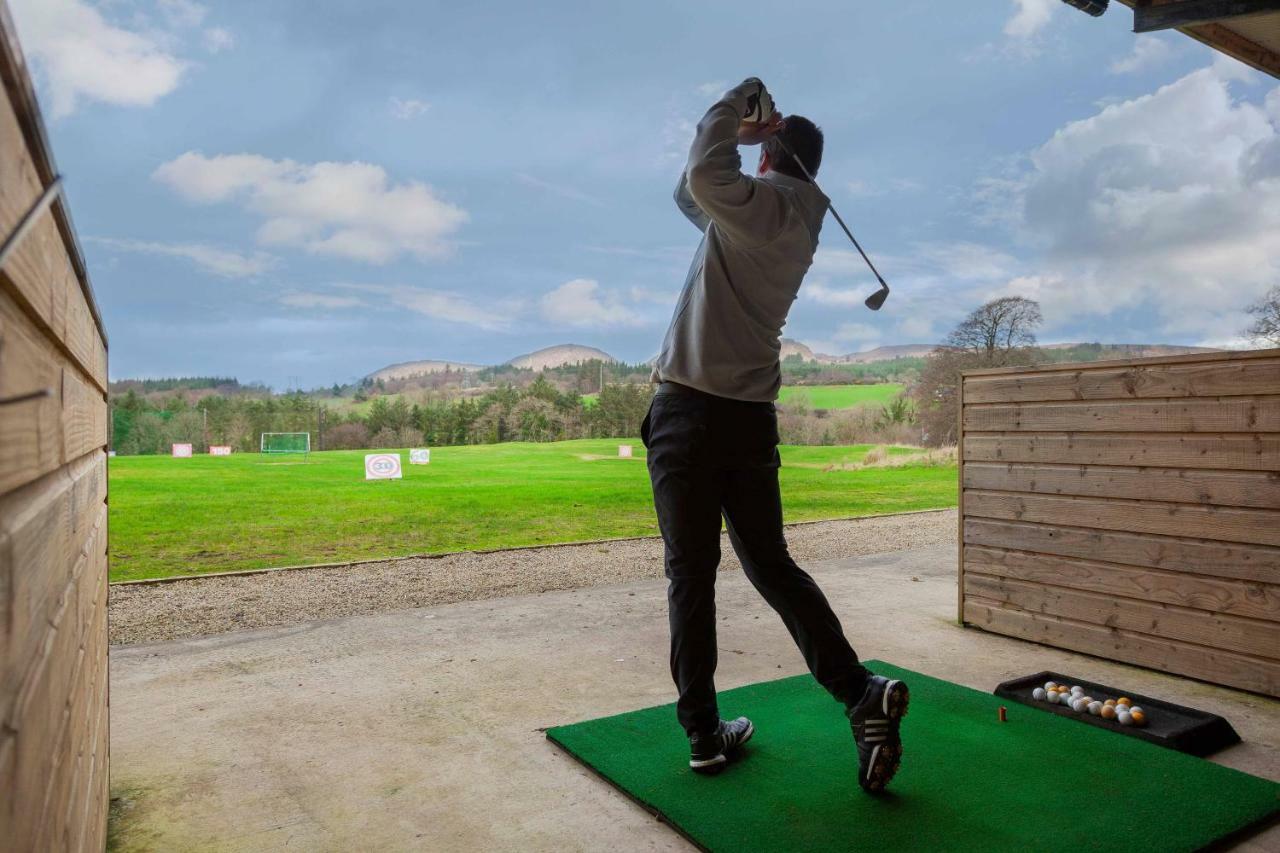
(1148, 52)
(443, 305)
(407, 108)
(349, 210)
(1029, 18)
(1166, 206)
(582, 302)
(222, 262)
(218, 39)
(711, 89)
(302, 299)
(79, 55)
(558, 189)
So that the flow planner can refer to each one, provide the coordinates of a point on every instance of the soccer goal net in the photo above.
(286, 442)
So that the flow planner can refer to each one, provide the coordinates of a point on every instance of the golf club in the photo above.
(875, 300)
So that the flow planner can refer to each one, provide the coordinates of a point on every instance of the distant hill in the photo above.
(795, 348)
(559, 356)
(1085, 351)
(888, 353)
(1132, 350)
(405, 369)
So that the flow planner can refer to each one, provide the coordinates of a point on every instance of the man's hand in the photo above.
(754, 133)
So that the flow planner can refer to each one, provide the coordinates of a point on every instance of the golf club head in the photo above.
(875, 300)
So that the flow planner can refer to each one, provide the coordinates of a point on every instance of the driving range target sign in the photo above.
(382, 466)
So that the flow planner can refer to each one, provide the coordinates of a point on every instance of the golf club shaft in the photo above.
(831, 207)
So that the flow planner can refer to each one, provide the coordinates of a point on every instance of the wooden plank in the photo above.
(1233, 44)
(1238, 377)
(1207, 357)
(1260, 489)
(1203, 450)
(960, 476)
(50, 697)
(43, 529)
(1211, 559)
(37, 436)
(1239, 598)
(40, 273)
(1227, 524)
(1226, 414)
(1213, 665)
(1253, 637)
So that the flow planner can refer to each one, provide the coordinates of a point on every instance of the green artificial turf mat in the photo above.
(968, 781)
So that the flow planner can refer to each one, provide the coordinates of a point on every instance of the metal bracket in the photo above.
(38, 394)
(41, 205)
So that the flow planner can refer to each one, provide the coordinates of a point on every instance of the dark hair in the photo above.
(805, 139)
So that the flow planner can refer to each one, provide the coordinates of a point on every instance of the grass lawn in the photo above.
(185, 516)
(841, 396)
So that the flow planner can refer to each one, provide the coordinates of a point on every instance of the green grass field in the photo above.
(841, 396)
(186, 516)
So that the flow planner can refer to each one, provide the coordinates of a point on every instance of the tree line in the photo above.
(538, 412)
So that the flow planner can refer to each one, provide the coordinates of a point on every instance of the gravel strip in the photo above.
(141, 613)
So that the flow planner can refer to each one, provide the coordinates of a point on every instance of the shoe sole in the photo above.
(712, 766)
(886, 759)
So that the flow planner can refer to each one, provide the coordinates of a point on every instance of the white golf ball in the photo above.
(1039, 694)
(1077, 690)
(1051, 696)
(1078, 705)
(1134, 709)
(1125, 718)
(1095, 708)
(1049, 685)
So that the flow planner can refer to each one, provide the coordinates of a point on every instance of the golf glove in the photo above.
(759, 101)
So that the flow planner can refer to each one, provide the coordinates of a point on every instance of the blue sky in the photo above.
(300, 191)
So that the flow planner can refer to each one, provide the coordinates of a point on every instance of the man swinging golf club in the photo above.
(712, 430)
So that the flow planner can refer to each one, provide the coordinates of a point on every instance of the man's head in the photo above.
(804, 138)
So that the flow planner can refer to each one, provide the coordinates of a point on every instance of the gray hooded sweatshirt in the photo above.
(759, 236)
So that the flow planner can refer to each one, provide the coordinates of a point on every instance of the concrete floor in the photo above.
(419, 730)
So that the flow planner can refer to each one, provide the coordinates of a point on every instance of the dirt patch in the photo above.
(197, 607)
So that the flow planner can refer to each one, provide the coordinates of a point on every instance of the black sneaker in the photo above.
(874, 721)
(710, 752)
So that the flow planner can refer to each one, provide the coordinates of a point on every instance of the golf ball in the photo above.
(1039, 694)
(1138, 718)
(1108, 712)
(1124, 700)
(1049, 685)
(1134, 709)
(1052, 696)
(1078, 705)
(1110, 702)
(1077, 690)
(1095, 708)
(1124, 717)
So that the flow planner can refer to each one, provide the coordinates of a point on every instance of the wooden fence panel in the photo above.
(1128, 510)
(54, 717)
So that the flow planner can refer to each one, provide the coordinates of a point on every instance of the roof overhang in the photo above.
(1248, 30)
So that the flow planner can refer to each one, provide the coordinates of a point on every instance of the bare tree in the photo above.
(999, 334)
(1266, 325)
(999, 327)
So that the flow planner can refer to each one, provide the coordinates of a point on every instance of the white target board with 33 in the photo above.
(382, 466)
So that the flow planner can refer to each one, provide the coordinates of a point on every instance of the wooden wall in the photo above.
(53, 511)
(1129, 510)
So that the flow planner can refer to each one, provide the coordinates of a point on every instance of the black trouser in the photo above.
(710, 456)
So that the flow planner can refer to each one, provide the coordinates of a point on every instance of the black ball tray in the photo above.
(1168, 725)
